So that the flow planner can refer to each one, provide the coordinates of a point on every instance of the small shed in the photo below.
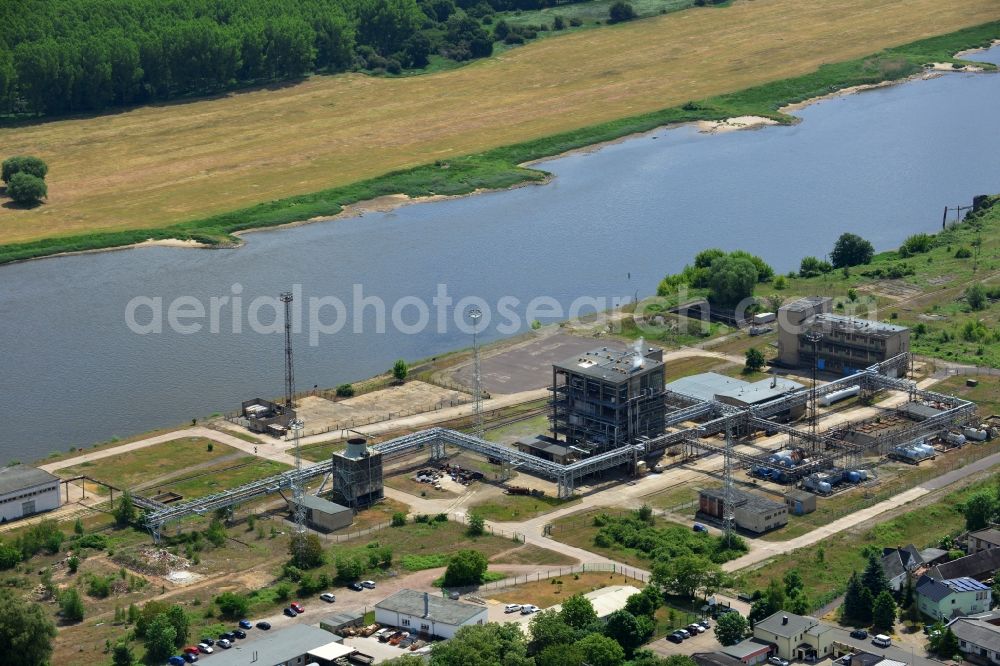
(800, 502)
(322, 514)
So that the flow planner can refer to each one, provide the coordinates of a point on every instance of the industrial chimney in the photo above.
(784, 619)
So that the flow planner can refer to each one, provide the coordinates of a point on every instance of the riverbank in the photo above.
(499, 168)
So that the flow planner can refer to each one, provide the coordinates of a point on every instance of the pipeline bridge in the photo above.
(710, 418)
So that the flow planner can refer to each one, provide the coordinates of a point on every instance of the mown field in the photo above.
(148, 168)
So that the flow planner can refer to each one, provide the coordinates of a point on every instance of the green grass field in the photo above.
(826, 567)
(204, 170)
(518, 507)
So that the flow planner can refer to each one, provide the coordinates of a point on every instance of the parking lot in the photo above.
(705, 642)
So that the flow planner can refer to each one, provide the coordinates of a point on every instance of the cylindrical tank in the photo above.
(357, 447)
(862, 474)
(831, 398)
(824, 487)
(928, 449)
(957, 439)
(975, 434)
(853, 477)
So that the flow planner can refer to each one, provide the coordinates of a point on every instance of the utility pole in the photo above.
(297, 490)
(475, 314)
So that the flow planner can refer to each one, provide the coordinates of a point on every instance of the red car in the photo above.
(297, 607)
(191, 649)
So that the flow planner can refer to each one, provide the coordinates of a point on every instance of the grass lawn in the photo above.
(130, 175)
(518, 507)
(590, 13)
(674, 496)
(126, 470)
(223, 477)
(986, 395)
(826, 567)
(514, 431)
(695, 365)
(323, 450)
(551, 591)
(531, 554)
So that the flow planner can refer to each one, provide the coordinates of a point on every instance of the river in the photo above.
(612, 222)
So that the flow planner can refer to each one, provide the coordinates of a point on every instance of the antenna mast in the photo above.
(286, 298)
(475, 314)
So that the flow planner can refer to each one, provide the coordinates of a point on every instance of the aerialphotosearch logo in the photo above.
(318, 316)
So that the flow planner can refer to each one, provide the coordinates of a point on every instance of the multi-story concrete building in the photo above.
(606, 398)
(846, 344)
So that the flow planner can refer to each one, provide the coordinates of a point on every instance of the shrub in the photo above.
(621, 11)
(232, 606)
(400, 370)
(558, 23)
(916, 244)
(26, 189)
(398, 519)
(71, 605)
(963, 253)
(466, 567)
(477, 526)
(575, 22)
(345, 391)
(975, 296)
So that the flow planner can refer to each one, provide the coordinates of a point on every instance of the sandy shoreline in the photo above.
(390, 202)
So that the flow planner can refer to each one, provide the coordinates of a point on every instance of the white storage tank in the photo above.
(836, 396)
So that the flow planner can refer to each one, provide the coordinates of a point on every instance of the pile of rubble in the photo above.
(148, 560)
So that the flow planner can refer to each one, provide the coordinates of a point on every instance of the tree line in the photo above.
(69, 56)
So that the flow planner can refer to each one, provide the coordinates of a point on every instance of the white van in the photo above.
(882, 641)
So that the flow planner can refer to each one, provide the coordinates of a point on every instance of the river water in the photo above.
(611, 223)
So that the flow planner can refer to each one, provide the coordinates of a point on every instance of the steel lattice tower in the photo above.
(475, 314)
(814, 337)
(728, 512)
(286, 298)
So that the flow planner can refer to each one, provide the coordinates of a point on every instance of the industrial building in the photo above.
(604, 399)
(952, 597)
(266, 417)
(324, 515)
(357, 474)
(429, 615)
(750, 651)
(25, 491)
(296, 645)
(751, 512)
(846, 345)
(796, 636)
(800, 502)
(546, 448)
(711, 386)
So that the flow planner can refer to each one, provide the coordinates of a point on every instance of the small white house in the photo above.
(25, 491)
(419, 612)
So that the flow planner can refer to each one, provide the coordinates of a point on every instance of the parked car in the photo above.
(695, 629)
(190, 657)
(512, 608)
(528, 609)
(684, 632)
(369, 584)
(190, 649)
(176, 660)
(882, 641)
(407, 642)
(205, 648)
(454, 595)
(356, 587)
(698, 527)
(207, 641)
(228, 635)
(264, 625)
(328, 597)
(246, 624)
(675, 638)
(859, 633)
(297, 607)
(705, 623)
(290, 612)
(224, 643)
(239, 633)
(777, 661)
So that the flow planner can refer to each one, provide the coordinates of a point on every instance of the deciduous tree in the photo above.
(851, 250)
(26, 632)
(730, 628)
(466, 567)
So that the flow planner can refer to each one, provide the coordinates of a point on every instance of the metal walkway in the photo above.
(435, 441)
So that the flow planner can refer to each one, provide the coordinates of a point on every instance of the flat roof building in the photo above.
(979, 637)
(25, 491)
(423, 613)
(292, 646)
(605, 398)
(606, 600)
(711, 386)
(751, 512)
(847, 344)
(324, 515)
